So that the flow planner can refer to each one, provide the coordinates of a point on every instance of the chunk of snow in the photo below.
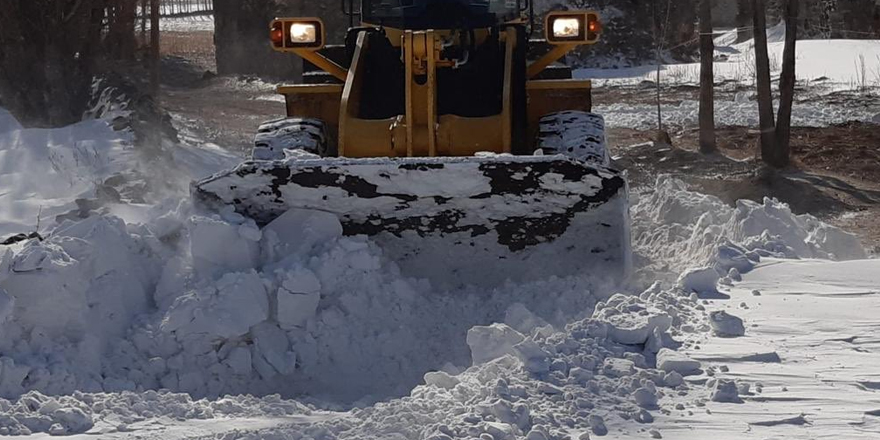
(673, 361)
(725, 391)
(272, 354)
(219, 246)
(725, 324)
(298, 298)
(701, 280)
(631, 321)
(441, 380)
(226, 310)
(491, 342)
(298, 230)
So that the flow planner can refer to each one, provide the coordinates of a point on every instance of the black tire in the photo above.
(273, 138)
(576, 134)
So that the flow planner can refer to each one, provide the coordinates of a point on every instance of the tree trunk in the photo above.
(707, 79)
(155, 57)
(786, 86)
(765, 96)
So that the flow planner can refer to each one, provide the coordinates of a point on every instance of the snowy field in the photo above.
(152, 318)
(193, 23)
(823, 67)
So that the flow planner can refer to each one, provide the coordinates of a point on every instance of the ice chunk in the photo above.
(671, 360)
(491, 342)
(725, 324)
(522, 319)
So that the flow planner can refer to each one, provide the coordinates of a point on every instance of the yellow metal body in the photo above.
(421, 131)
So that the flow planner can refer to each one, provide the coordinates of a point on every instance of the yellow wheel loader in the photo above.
(446, 131)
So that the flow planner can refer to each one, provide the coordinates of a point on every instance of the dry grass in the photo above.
(197, 47)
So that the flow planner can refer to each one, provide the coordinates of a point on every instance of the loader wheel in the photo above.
(274, 137)
(576, 134)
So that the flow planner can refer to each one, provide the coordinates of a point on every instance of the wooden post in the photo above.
(155, 57)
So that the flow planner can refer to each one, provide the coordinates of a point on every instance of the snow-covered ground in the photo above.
(823, 67)
(809, 356)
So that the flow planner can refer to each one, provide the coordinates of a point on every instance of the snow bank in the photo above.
(680, 229)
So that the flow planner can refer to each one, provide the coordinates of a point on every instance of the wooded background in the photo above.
(50, 50)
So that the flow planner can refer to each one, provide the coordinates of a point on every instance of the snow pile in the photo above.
(704, 239)
(113, 413)
(43, 171)
(536, 384)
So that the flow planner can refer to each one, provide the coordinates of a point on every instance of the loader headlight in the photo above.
(303, 33)
(572, 27)
(566, 28)
(297, 33)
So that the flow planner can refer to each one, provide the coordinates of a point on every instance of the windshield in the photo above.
(377, 10)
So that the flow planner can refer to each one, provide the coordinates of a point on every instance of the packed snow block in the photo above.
(671, 360)
(702, 281)
(297, 231)
(271, 353)
(227, 309)
(726, 325)
(220, 246)
(492, 342)
(298, 298)
(630, 320)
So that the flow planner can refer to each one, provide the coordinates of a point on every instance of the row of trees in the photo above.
(775, 138)
(50, 50)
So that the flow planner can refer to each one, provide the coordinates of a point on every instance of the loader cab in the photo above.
(440, 14)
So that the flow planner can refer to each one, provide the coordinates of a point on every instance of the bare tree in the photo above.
(765, 97)
(782, 152)
(707, 79)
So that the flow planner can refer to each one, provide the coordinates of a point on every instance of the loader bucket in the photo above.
(474, 220)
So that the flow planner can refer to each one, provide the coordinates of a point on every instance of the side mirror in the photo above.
(572, 27)
(291, 34)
